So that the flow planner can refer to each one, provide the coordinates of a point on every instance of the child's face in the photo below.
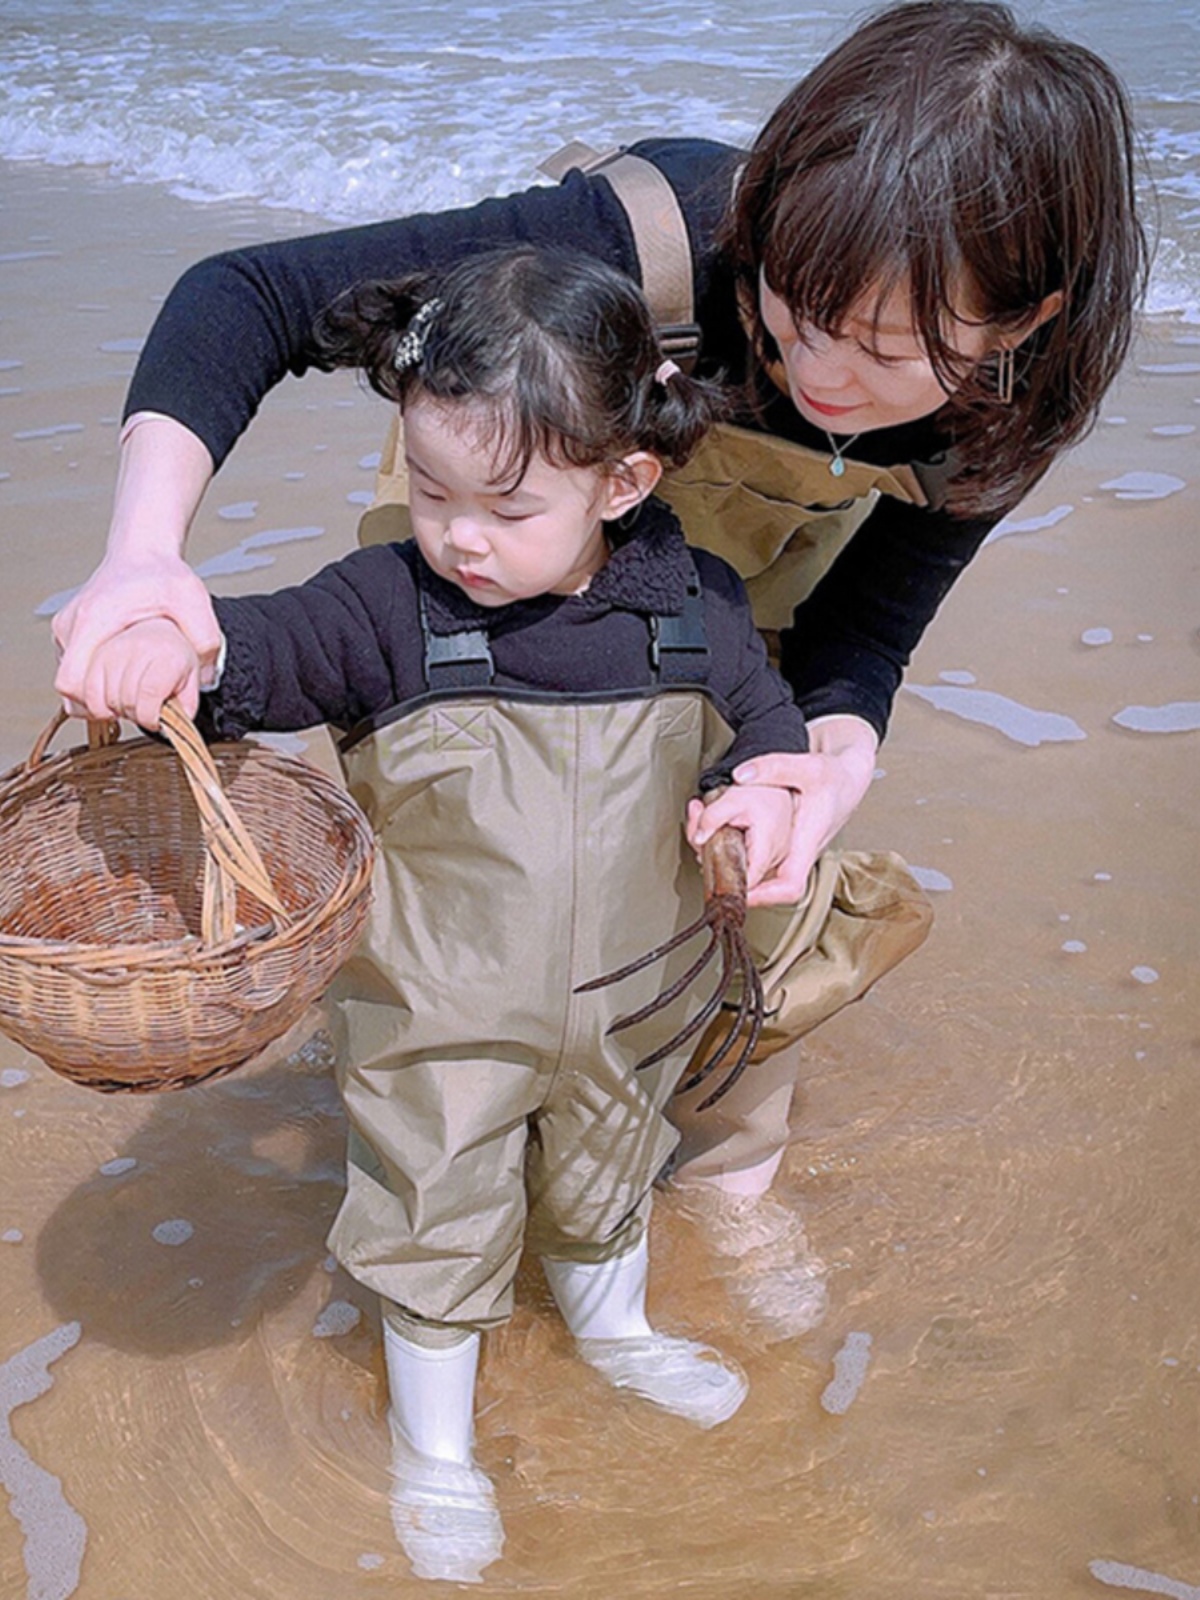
(500, 541)
(869, 376)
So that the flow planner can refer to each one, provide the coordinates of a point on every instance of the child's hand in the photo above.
(133, 672)
(765, 815)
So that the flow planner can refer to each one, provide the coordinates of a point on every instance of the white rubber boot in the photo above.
(604, 1305)
(443, 1507)
(764, 1253)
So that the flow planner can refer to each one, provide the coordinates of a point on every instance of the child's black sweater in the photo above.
(346, 647)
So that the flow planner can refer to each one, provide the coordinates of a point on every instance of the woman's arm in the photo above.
(854, 635)
(233, 327)
(236, 324)
(164, 470)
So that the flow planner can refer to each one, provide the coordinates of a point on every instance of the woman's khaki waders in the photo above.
(778, 515)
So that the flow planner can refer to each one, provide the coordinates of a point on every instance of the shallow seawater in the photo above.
(994, 1154)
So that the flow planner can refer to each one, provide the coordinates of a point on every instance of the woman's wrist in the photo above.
(851, 741)
(164, 471)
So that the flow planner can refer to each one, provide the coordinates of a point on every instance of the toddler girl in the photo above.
(532, 690)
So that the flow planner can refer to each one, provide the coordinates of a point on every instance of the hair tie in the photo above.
(666, 371)
(411, 347)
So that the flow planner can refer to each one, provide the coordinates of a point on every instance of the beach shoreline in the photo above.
(995, 1149)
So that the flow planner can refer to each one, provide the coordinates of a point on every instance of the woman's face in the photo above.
(873, 374)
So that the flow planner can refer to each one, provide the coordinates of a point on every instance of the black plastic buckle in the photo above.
(680, 341)
(458, 660)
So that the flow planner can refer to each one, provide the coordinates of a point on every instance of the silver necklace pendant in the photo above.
(837, 464)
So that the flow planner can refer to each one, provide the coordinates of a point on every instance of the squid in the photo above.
(723, 920)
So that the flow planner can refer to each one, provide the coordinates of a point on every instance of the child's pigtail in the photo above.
(679, 411)
(366, 328)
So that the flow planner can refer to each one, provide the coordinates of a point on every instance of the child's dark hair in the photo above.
(560, 345)
(945, 149)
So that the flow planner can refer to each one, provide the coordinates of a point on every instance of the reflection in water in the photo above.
(245, 556)
(51, 432)
(931, 879)
(1047, 519)
(1123, 1577)
(1144, 485)
(1179, 716)
(55, 1533)
(1020, 723)
(338, 1317)
(849, 1373)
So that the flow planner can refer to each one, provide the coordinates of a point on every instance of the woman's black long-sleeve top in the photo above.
(237, 323)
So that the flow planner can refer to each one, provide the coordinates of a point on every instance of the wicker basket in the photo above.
(167, 910)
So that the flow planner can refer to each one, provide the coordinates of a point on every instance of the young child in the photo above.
(531, 689)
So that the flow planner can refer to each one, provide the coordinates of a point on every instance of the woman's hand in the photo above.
(119, 596)
(828, 783)
(765, 816)
(132, 673)
(163, 474)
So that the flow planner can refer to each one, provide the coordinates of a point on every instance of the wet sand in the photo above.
(994, 1153)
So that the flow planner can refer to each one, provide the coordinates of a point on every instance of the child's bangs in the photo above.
(512, 432)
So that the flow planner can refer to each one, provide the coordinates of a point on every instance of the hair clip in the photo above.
(666, 371)
(411, 347)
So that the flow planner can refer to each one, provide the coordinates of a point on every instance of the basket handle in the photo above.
(231, 856)
(98, 735)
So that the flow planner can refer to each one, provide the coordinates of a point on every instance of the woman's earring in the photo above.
(1005, 365)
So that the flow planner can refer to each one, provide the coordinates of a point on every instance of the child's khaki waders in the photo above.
(778, 515)
(528, 842)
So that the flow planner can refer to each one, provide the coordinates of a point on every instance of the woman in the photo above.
(921, 282)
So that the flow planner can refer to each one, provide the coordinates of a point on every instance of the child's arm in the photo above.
(759, 705)
(766, 722)
(764, 815)
(133, 672)
(332, 650)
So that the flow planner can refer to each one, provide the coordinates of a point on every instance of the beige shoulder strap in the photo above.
(659, 233)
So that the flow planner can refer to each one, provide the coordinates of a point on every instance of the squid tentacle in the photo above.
(723, 861)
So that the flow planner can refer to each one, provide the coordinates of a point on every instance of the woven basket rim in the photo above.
(21, 782)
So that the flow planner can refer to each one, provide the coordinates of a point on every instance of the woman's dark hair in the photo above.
(981, 166)
(561, 347)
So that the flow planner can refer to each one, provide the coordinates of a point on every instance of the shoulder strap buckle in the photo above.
(681, 341)
(454, 660)
(679, 644)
